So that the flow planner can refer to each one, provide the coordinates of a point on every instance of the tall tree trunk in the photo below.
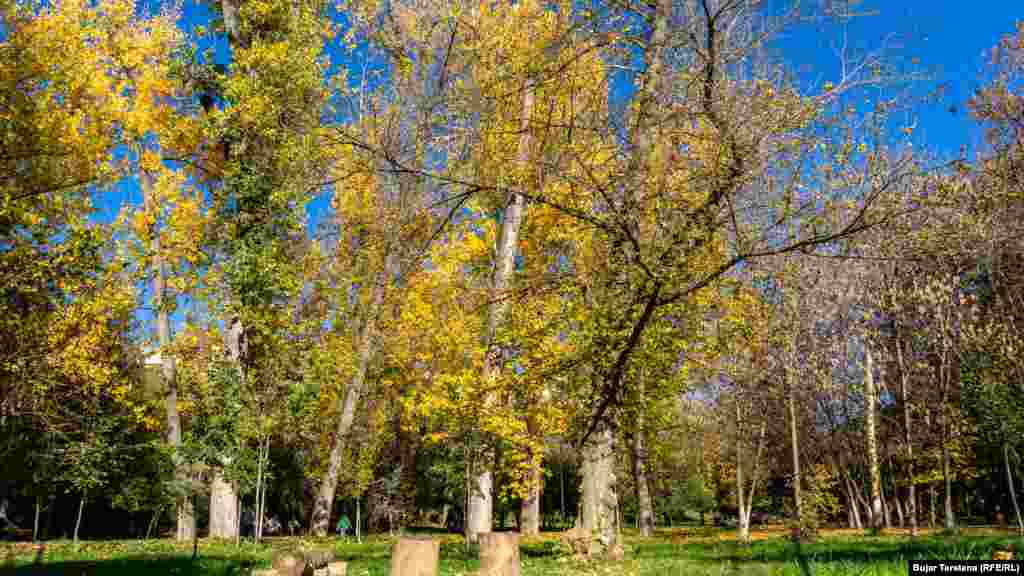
(642, 484)
(794, 439)
(529, 511)
(478, 517)
(907, 439)
(885, 506)
(39, 505)
(223, 507)
(186, 521)
(262, 457)
(854, 506)
(931, 500)
(223, 496)
(407, 479)
(599, 503)
(561, 489)
(1009, 485)
(853, 511)
(899, 510)
(78, 519)
(259, 486)
(324, 502)
(743, 525)
(947, 473)
(640, 478)
(745, 498)
(871, 401)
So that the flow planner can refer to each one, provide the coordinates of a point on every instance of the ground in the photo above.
(679, 551)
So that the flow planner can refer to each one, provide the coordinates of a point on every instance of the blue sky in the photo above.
(950, 40)
(946, 40)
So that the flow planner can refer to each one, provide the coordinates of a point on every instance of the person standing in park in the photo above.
(343, 525)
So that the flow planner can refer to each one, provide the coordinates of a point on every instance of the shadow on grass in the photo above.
(132, 565)
(547, 549)
(864, 550)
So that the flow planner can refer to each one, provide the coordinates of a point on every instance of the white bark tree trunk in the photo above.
(78, 519)
(599, 502)
(745, 498)
(35, 520)
(870, 401)
(907, 438)
(1009, 484)
(481, 500)
(186, 521)
(794, 438)
(324, 502)
(947, 473)
(223, 507)
(529, 512)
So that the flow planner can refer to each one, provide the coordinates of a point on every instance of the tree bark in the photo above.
(641, 481)
(853, 510)
(794, 438)
(223, 496)
(599, 503)
(478, 517)
(415, 557)
(39, 505)
(78, 518)
(931, 511)
(529, 512)
(907, 438)
(186, 521)
(871, 401)
(407, 479)
(947, 480)
(885, 506)
(745, 499)
(223, 507)
(947, 474)
(257, 533)
(899, 510)
(324, 503)
(1009, 484)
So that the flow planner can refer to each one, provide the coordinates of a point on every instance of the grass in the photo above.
(690, 552)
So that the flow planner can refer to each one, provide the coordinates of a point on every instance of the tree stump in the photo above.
(318, 559)
(313, 562)
(337, 569)
(289, 564)
(578, 541)
(499, 554)
(415, 557)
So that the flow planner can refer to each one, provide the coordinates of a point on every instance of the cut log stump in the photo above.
(308, 563)
(415, 557)
(337, 569)
(578, 541)
(499, 554)
(289, 564)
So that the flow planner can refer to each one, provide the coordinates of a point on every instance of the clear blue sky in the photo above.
(950, 40)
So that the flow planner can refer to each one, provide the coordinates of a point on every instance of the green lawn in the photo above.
(671, 552)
